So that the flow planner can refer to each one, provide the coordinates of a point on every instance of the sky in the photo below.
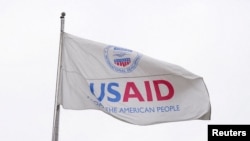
(207, 37)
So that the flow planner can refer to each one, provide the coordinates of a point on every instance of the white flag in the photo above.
(128, 85)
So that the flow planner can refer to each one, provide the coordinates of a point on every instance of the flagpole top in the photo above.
(63, 15)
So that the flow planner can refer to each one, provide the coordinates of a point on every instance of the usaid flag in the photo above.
(128, 85)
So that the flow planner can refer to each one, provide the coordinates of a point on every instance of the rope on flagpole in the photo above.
(55, 132)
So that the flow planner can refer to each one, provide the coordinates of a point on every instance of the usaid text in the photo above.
(133, 90)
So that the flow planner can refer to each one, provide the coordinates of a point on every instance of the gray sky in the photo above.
(207, 37)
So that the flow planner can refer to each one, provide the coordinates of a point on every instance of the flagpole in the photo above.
(55, 129)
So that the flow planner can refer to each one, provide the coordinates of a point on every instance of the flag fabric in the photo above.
(128, 85)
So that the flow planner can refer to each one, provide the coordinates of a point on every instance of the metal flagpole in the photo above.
(55, 129)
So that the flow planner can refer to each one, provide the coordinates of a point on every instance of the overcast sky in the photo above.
(210, 38)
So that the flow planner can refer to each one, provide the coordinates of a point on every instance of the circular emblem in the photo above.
(120, 59)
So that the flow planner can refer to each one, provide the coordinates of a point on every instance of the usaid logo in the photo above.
(143, 91)
(120, 59)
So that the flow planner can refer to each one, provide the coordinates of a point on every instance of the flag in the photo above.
(128, 85)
